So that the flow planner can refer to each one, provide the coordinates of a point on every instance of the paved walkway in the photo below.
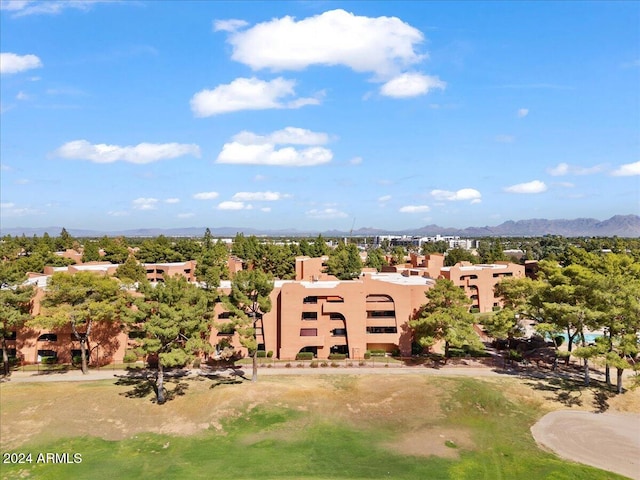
(610, 441)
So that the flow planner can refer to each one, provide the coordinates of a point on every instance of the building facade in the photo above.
(314, 313)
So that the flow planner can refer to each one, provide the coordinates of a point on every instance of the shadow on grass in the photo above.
(566, 386)
(176, 382)
(143, 383)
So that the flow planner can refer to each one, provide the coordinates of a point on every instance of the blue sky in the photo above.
(317, 115)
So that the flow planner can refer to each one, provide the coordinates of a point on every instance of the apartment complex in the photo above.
(313, 313)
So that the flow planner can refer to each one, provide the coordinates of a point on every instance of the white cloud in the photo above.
(414, 209)
(566, 169)
(627, 170)
(259, 196)
(10, 209)
(288, 135)
(230, 205)
(236, 153)
(139, 154)
(464, 194)
(206, 195)
(326, 213)
(172, 200)
(505, 138)
(13, 63)
(247, 94)
(247, 148)
(355, 161)
(186, 215)
(145, 203)
(117, 213)
(23, 8)
(411, 85)
(382, 45)
(384, 198)
(23, 96)
(535, 186)
(230, 25)
(523, 112)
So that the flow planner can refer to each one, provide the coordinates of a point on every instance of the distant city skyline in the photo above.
(317, 115)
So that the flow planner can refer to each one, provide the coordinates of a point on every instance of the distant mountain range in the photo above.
(618, 225)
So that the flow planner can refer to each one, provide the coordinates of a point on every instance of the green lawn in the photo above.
(301, 437)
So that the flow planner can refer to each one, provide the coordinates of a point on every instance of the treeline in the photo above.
(277, 256)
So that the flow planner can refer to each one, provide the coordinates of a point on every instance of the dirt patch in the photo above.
(610, 441)
(439, 442)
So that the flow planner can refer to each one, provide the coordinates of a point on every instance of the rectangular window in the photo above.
(310, 300)
(382, 330)
(309, 315)
(339, 332)
(380, 313)
(308, 332)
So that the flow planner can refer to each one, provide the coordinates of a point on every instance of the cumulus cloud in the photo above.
(247, 148)
(230, 25)
(414, 209)
(411, 85)
(470, 194)
(382, 45)
(206, 195)
(23, 8)
(248, 94)
(10, 209)
(326, 213)
(259, 196)
(627, 170)
(140, 154)
(231, 205)
(566, 169)
(523, 112)
(13, 63)
(288, 135)
(535, 186)
(145, 203)
(117, 213)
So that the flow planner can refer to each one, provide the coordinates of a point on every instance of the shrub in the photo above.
(75, 360)
(367, 355)
(378, 353)
(49, 360)
(270, 354)
(304, 356)
(335, 364)
(261, 354)
(130, 356)
(350, 364)
(559, 340)
(361, 363)
(313, 364)
(324, 364)
(474, 310)
(300, 365)
(287, 365)
(337, 356)
(515, 355)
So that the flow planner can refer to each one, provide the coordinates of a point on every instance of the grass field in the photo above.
(287, 427)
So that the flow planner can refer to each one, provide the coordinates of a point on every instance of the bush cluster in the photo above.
(304, 356)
